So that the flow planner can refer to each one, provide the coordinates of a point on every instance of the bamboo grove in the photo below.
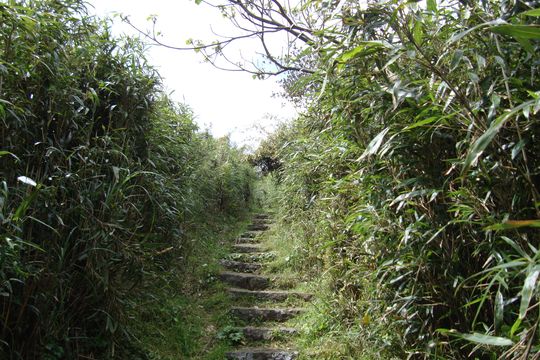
(102, 179)
(413, 178)
(410, 185)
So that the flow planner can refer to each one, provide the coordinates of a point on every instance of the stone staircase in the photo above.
(258, 315)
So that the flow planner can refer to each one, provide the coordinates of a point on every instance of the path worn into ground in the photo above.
(263, 305)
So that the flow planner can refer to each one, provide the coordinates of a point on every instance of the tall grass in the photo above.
(100, 176)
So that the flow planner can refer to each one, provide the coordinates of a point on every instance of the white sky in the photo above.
(227, 102)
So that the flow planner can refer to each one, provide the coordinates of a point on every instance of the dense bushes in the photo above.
(415, 173)
(100, 177)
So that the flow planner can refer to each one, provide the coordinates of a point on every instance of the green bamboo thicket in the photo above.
(412, 182)
(102, 178)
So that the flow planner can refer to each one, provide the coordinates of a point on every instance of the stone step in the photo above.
(239, 266)
(261, 216)
(271, 295)
(248, 248)
(262, 221)
(252, 257)
(264, 314)
(250, 234)
(247, 240)
(257, 227)
(245, 281)
(266, 333)
(261, 354)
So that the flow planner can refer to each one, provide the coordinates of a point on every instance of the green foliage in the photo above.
(414, 176)
(231, 334)
(178, 312)
(101, 177)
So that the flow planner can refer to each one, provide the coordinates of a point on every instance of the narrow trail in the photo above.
(264, 305)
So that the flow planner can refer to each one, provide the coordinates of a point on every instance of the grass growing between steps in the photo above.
(183, 314)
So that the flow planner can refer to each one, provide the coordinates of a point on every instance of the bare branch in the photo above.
(257, 19)
(276, 62)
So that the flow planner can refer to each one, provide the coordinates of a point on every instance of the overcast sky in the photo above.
(227, 102)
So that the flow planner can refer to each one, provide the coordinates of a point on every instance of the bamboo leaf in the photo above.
(515, 327)
(508, 265)
(374, 144)
(487, 339)
(24, 205)
(456, 59)
(460, 35)
(518, 31)
(526, 44)
(499, 309)
(534, 12)
(528, 290)
(516, 247)
(432, 5)
(514, 224)
(3, 153)
(26, 180)
(363, 47)
(517, 148)
(418, 32)
(483, 141)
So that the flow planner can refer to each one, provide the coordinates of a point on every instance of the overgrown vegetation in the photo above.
(107, 187)
(410, 186)
(411, 183)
